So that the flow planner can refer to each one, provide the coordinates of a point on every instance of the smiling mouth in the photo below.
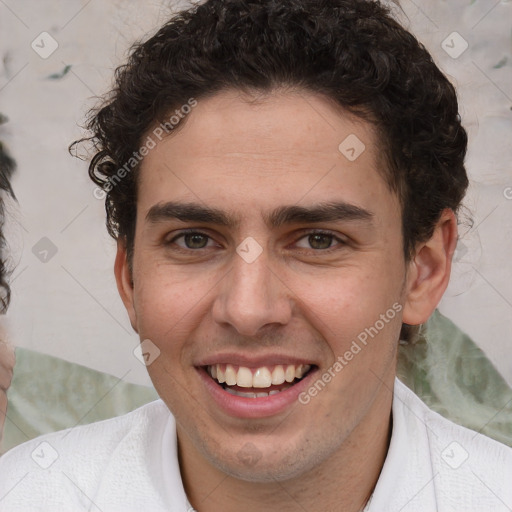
(257, 382)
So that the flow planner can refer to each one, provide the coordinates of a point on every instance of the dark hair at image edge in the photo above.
(7, 168)
(351, 51)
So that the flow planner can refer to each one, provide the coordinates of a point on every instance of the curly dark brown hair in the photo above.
(351, 51)
(7, 167)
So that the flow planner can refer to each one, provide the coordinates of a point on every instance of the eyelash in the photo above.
(305, 235)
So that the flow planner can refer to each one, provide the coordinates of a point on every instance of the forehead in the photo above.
(247, 154)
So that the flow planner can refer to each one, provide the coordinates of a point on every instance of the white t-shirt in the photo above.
(130, 463)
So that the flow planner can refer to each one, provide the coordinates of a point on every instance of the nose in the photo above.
(252, 297)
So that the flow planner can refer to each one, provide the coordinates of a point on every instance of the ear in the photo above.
(429, 271)
(124, 282)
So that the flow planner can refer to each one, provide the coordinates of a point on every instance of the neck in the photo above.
(344, 481)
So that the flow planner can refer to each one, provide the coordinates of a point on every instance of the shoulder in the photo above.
(102, 436)
(468, 469)
(78, 459)
(439, 428)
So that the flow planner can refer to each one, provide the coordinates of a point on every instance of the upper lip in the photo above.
(253, 361)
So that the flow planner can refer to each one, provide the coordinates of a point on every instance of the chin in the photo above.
(266, 464)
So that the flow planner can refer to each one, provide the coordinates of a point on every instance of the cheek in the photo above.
(170, 301)
(349, 304)
(351, 293)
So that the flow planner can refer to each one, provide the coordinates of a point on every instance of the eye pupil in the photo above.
(193, 240)
(318, 238)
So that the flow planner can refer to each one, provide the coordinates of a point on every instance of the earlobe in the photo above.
(429, 271)
(124, 282)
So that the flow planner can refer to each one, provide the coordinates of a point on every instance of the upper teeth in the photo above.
(262, 377)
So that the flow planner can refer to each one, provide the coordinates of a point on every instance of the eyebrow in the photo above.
(283, 215)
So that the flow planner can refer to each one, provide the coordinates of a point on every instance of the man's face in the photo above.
(266, 291)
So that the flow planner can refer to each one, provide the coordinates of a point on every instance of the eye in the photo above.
(319, 240)
(191, 240)
(316, 240)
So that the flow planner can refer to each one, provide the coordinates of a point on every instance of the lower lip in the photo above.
(261, 407)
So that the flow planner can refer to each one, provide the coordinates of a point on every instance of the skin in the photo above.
(7, 361)
(302, 296)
